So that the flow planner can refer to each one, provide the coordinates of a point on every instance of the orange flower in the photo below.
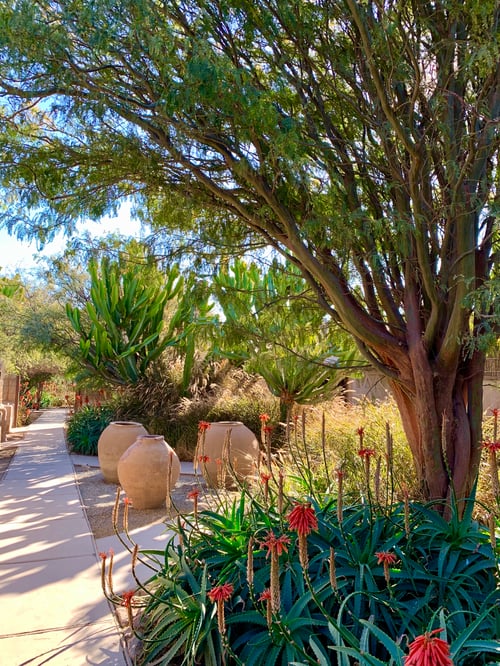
(203, 425)
(302, 519)
(127, 598)
(265, 477)
(204, 459)
(274, 544)
(427, 649)
(219, 595)
(264, 418)
(387, 559)
(268, 598)
(220, 592)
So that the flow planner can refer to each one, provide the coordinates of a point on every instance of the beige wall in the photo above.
(374, 387)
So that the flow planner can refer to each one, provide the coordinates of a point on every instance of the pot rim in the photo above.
(226, 423)
(126, 423)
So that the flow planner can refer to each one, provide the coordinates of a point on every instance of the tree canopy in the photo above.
(358, 138)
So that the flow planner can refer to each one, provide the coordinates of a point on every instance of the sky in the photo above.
(16, 255)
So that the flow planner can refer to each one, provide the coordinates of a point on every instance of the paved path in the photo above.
(52, 608)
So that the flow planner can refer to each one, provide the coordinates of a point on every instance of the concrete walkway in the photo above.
(52, 608)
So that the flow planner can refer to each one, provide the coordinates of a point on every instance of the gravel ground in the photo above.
(7, 450)
(99, 499)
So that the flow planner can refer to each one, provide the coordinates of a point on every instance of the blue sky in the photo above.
(22, 255)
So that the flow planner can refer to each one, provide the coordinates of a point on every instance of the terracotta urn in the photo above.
(113, 442)
(229, 453)
(147, 471)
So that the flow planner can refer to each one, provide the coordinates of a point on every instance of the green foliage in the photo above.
(360, 142)
(125, 328)
(11, 287)
(29, 329)
(444, 574)
(85, 426)
(273, 324)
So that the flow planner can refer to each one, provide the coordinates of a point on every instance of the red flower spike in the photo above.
(492, 447)
(302, 519)
(203, 426)
(384, 557)
(428, 649)
(127, 598)
(204, 459)
(193, 494)
(265, 477)
(366, 453)
(266, 595)
(220, 592)
(264, 418)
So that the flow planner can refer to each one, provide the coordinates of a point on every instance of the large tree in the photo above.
(358, 138)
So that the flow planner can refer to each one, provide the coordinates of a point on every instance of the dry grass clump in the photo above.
(328, 438)
(225, 395)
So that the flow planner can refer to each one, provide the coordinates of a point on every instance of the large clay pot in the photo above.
(148, 470)
(221, 468)
(112, 444)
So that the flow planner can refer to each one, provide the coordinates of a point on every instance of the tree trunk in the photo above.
(442, 416)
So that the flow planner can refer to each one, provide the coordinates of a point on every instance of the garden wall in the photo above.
(373, 386)
(9, 400)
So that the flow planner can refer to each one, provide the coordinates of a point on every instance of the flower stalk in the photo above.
(219, 595)
(275, 547)
(302, 519)
(332, 570)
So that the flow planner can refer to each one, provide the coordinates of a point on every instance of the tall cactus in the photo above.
(121, 326)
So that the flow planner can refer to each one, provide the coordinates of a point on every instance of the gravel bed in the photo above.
(99, 498)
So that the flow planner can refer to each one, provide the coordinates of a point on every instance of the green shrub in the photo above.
(85, 426)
